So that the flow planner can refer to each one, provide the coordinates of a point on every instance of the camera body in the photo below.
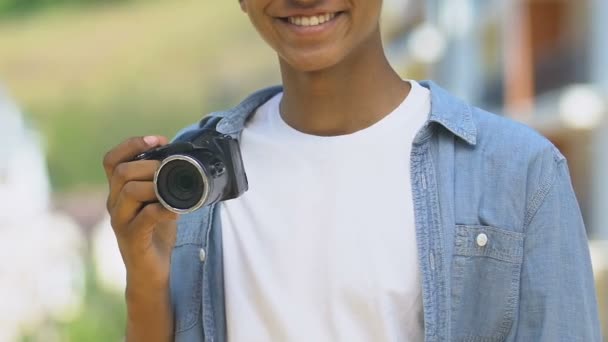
(200, 168)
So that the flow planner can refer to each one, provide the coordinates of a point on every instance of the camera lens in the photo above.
(181, 184)
(182, 181)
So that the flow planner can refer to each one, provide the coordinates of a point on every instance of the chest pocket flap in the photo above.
(486, 241)
(486, 270)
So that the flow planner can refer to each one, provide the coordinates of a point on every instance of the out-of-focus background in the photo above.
(79, 76)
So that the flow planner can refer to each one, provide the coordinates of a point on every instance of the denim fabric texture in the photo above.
(501, 243)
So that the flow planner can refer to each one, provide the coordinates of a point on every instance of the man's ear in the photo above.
(243, 6)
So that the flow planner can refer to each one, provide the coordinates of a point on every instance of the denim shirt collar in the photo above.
(450, 112)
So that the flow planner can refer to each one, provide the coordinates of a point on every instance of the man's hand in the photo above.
(146, 233)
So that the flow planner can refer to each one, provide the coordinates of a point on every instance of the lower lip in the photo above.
(312, 30)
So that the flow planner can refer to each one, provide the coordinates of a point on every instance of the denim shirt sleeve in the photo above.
(558, 299)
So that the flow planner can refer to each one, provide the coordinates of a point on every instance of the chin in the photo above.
(311, 63)
(310, 66)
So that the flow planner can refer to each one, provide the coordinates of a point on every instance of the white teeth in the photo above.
(311, 21)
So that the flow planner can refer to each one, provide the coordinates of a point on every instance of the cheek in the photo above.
(367, 18)
(264, 26)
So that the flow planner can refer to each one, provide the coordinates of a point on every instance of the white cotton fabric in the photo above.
(322, 247)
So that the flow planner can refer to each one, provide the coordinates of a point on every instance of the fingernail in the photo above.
(151, 140)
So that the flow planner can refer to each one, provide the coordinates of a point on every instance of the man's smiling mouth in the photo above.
(314, 20)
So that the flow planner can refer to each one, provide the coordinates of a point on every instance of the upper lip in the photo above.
(310, 13)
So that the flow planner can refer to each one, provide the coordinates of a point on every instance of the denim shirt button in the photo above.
(202, 254)
(482, 240)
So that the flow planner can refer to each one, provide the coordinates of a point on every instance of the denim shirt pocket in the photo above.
(187, 273)
(486, 270)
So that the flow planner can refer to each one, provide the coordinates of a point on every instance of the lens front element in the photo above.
(181, 184)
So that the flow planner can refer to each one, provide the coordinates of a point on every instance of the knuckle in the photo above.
(107, 160)
(136, 143)
(151, 210)
(122, 172)
(130, 190)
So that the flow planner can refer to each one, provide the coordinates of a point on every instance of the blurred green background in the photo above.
(93, 74)
(15, 7)
(86, 74)
(89, 73)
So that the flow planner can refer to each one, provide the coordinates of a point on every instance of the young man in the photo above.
(379, 209)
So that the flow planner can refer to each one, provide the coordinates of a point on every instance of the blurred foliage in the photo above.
(103, 318)
(88, 77)
(13, 7)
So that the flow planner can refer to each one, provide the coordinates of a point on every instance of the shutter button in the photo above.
(482, 240)
(202, 254)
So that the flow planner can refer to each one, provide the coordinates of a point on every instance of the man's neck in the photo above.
(345, 98)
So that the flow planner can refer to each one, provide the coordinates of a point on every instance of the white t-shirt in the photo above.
(322, 247)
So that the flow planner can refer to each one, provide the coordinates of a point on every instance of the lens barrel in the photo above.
(182, 184)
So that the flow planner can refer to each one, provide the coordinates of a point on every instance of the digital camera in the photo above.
(198, 169)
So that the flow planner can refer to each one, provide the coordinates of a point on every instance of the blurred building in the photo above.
(542, 62)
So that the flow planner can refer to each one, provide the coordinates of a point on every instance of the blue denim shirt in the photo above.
(501, 243)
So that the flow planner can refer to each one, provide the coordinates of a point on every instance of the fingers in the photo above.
(149, 217)
(142, 170)
(135, 214)
(128, 149)
(130, 200)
